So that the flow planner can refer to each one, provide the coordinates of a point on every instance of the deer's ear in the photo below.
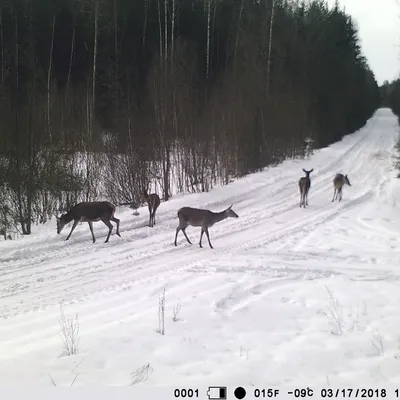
(230, 207)
(312, 170)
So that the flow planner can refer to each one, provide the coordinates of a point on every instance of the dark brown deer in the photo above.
(153, 202)
(338, 182)
(203, 218)
(89, 212)
(304, 186)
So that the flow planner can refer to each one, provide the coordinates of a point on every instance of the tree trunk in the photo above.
(160, 29)
(116, 58)
(93, 102)
(271, 24)
(146, 6)
(71, 56)
(2, 46)
(19, 193)
(49, 78)
(166, 30)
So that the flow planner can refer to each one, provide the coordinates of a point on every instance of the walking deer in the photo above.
(89, 212)
(203, 218)
(304, 186)
(338, 182)
(153, 202)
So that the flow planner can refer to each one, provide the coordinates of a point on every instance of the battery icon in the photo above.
(216, 392)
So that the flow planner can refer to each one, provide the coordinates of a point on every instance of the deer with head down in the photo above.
(338, 182)
(89, 212)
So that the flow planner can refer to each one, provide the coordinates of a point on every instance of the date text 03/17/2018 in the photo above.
(347, 393)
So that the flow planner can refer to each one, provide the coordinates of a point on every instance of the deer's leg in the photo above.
(301, 196)
(306, 196)
(201, 236)
(117, 221)
(179, 228)
(208, 237)
(340, 193)
(176, 235)
(91, 230)
(186, 236)
(334, 192)
(72, 229)
(110, 228)
(149, 215)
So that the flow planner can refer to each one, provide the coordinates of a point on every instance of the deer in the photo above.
(304, 186)
(338, 182)
(89, 212)
(153, 202)
(203, 218)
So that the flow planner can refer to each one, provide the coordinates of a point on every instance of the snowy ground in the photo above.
(255, 309)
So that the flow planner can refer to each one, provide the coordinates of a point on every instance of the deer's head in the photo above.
(308, 172)
(346, 180)
(231, 213)
(145, 195)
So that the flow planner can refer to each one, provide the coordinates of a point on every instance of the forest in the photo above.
(101, 99)
(390, 97)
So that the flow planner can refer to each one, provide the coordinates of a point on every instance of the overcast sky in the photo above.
(379, 31)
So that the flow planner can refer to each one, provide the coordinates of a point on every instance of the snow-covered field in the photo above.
(288, 296)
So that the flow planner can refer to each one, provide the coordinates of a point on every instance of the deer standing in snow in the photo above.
(203, 218)
(153, 202)
(89, 212)
(304, 186)
(338, 182)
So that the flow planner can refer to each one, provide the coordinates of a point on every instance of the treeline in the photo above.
(102, 98)
(390, 97)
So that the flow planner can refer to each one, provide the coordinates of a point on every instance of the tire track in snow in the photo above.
(224, 252)
(365, 155)
(240, 297)
(151, 272)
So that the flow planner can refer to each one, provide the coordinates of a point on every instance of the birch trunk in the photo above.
(49, 79)
(208, 38)
(93, 102)
(2, 46)
(271, 24)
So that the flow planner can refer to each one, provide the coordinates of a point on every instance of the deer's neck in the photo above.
(220, 216)
(68, 217)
